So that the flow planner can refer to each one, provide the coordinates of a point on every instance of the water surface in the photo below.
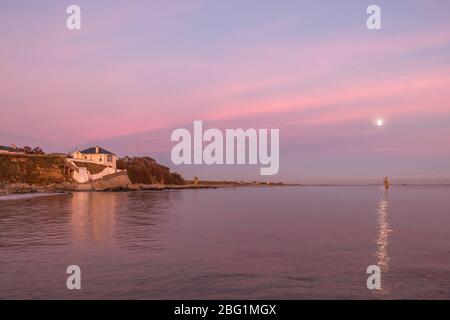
(233, 243)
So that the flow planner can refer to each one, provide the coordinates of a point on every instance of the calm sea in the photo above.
(236, 243)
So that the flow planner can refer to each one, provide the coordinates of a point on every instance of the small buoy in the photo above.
(386, 182)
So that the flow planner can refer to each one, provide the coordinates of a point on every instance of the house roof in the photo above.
(92, 150)
(7, 148)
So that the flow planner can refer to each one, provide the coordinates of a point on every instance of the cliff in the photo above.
(146, 170)
(34, 169)
(21, 173)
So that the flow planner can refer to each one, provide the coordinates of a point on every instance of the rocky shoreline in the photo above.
(25, 188)
(22, 188)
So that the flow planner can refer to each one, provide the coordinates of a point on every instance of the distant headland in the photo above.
(28, 170)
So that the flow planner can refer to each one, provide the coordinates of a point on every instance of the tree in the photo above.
(27, 149)
(38, 150)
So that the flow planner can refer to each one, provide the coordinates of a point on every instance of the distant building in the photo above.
(12, 149)
(4, 149)
(97, 155)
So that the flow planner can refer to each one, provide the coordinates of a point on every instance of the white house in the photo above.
(95, 155)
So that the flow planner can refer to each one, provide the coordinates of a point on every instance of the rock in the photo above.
(114, 182)
(145, 170)
(9, 188)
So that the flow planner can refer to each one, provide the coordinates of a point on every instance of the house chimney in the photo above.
(97, 149)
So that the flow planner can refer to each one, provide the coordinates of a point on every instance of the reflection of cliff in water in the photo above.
(143, 217)
(93, 217)
(35, 222)
(128, 219)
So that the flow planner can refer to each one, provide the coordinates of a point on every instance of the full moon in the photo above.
(380, 122)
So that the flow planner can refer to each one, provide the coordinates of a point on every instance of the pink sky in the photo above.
(136, 72)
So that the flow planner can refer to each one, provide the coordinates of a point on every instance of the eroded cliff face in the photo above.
(34, 169)
(146, 170)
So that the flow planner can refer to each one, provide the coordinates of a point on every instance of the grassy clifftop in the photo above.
(93, 168)
(146, 170)
(33, 169)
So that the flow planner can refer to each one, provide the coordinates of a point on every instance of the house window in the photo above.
(109, 158)
(100, 159)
